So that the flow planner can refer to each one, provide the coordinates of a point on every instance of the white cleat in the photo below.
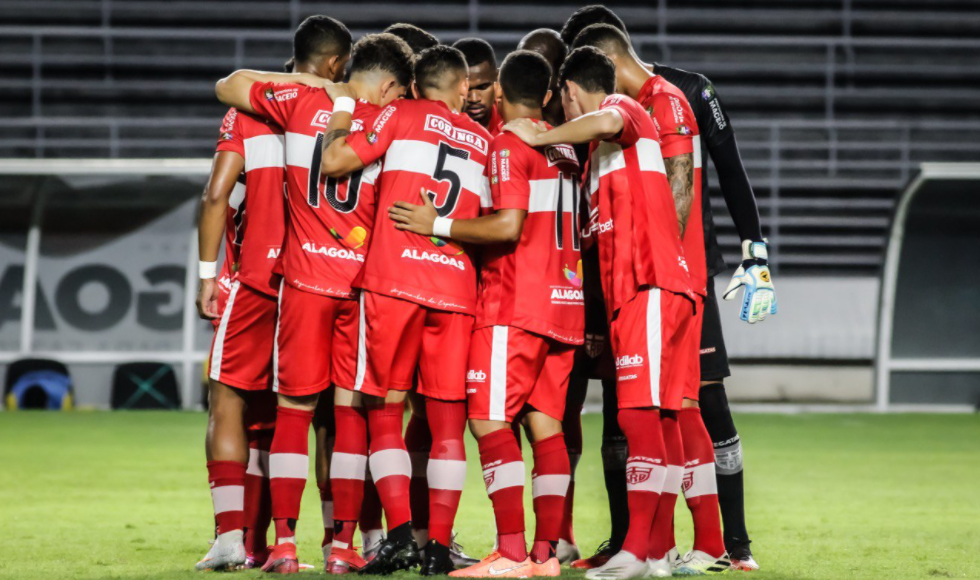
(622, 566)
(567, 552)
(698, 563)
(659, 568)
(745, 564)
(371, 540)
(227, 553)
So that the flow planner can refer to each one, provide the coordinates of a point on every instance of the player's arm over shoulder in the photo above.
(235, 89)
(345, 152)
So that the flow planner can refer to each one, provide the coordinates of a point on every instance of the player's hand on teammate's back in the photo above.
(759, 300)
(526, 130)
(337, 90)
(414, 218)
(207, 299)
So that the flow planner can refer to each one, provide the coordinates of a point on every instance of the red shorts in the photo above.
(244, 340)
(510, 367)
(317, 342)
(400, 337)
(693, 387)
(655, 341)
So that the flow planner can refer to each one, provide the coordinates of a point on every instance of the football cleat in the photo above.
(437, 560)
(282, 559)
(397, 552)
(343, 561)
(661, 568)
(372, 543)
(496, 566)
(550, 567)
(256, 559)
(459, 557)
(622, 566)
(743, 560)
(698, 563)
(601, 556)
(567, 552)
(227, 553)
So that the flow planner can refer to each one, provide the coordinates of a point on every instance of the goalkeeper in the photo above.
(758, 299)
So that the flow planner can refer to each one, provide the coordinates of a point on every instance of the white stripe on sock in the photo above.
(550, 484)
(390, 462)
(448, 474)
(700, 480)
(348, 466)
(291, 465)
(228, 498)
(504, 476)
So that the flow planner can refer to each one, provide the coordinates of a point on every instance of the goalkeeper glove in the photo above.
(759, 300)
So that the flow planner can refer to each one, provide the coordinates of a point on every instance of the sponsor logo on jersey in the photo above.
(229, 122)
(372, 137)
(677, 109)
(560, 154)
(708, 93)
(382, 119)
(227, 136)
(574, 277)
(629, 360)
(603, 227)
(272, 254)
(717, 114)
(440, 125)
(683, 130)
(504, 166)
(435, 257)
(270, 94)
(322, 117)
(354, 239)
(333, 252)
(566, 295)
(474, 376)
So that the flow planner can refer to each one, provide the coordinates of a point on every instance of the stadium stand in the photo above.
(836, 102)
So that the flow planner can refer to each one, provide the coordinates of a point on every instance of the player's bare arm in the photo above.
(225, 170)
(338, 159)
(503, 226)
(602, 124)
(680, 175)
(234, 89)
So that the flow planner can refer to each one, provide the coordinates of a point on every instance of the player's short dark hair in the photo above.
(590, 69)
(385, 53)
(525, 78)
(320, 36)
(289, 65)
(588, 15)
(416, 38)
(434, 64)
(477, 51)
(606, 38)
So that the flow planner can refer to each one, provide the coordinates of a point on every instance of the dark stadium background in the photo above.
(836, 103)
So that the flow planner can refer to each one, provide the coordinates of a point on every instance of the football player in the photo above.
(481, 101)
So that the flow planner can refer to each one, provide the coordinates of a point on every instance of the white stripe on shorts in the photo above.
(289, 465)
(551, 484)
(389, 462)
(498, 374)
(361, 345)
(449, 474)
(219, 340)
(348, 466)
(228, 498)
(654, 346)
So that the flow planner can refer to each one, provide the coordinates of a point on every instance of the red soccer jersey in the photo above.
(674, 119)
(426, 147)
(330, 219)
(256, 213)
(496, 122)
(632, 211)
(535, 283)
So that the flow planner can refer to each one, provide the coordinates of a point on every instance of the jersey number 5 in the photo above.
(349, 203)
(441, 173)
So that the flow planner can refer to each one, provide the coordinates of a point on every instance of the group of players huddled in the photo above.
(475, 242)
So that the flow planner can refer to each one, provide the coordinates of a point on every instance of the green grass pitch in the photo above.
(124, 495)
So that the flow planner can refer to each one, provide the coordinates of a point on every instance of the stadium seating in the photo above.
(836, 103)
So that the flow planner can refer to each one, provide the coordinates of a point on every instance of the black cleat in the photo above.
(437, 560)
(397, 552)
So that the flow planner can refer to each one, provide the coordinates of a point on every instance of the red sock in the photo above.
(391, 467)
(258, 500)
(227, 480)
(699, 484)
(418, 442)
(503, 474)
(646, 468)
(549, 484)
(572, 426)
(662, 534)
(289, 465)
(348, 467)
(447, 465)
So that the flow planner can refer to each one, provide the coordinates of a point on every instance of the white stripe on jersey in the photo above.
(421, 157)
(299, 149)
(648, 152)
(237, 196)
(544, 196)
(264, 151)
(696, 143)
